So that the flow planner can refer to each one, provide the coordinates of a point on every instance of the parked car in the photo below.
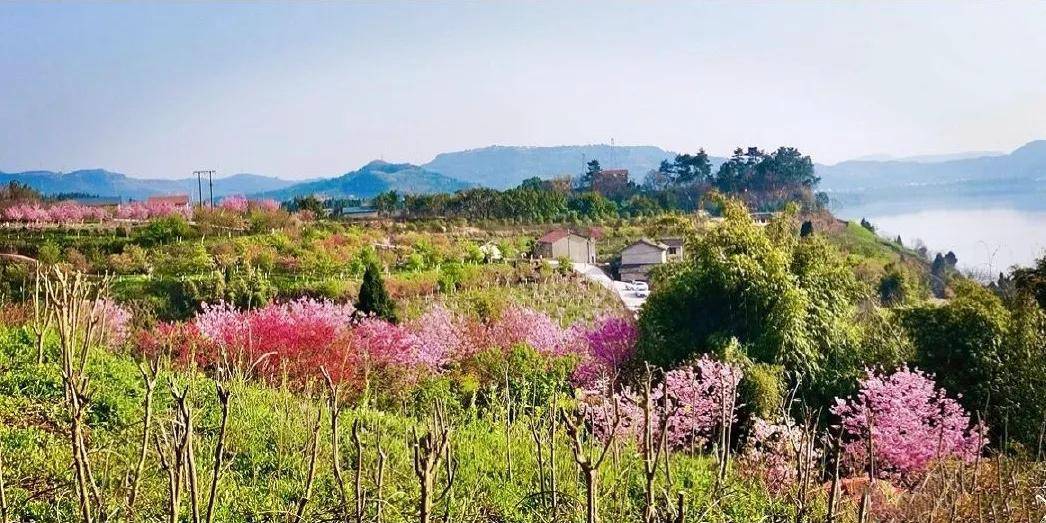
(640, 285)
(642, 293)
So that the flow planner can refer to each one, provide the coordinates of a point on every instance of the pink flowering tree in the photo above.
(605, 346)
(440, 337)
(236, 203)
(521, 325)
(910, 422)
(380, 348)
(59, 213)
(152, 209)
(265, 204)
(116, 322)
(772, 450)
(701, 398)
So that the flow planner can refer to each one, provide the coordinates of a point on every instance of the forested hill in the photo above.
(502, 167)
(372, 179)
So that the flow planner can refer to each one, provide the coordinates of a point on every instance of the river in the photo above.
(986, 240)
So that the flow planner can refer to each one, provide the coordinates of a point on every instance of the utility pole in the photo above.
(199, 185)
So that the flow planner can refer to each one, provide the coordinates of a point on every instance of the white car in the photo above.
(639, 286)
(642, 293)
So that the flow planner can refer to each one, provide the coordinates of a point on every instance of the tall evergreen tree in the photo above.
(374, 298)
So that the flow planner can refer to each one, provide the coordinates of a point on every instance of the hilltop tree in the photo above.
(374, 297)
(807, 229)
(386, 202)
(591, 173)
(689, 168)
(307, 203)
(752, 169)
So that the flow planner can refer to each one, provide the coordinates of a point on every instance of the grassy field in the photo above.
(268, 450)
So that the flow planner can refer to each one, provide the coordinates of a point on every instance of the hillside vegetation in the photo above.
(258, 365)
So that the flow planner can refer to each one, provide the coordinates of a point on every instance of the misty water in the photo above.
(986, 240)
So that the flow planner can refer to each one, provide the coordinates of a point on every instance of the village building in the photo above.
(179, 200)
(675, 248)
(639, 258)
(559, 243)
(610, 182)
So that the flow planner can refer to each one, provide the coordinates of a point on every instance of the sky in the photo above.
(305, 89)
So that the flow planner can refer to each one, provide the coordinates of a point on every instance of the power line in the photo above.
(199, 185)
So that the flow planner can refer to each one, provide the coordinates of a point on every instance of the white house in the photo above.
(637, 259)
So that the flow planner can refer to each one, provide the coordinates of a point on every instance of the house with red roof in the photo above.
(559, 243)
(180, 200)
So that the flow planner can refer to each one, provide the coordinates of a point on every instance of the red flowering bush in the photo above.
(910, 422)
(296, 337)
(181, 342)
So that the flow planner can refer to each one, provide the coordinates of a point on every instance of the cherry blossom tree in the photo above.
(297, 337)
(910, 422)
(236, 203)
(265, 204)
(440, 336)
(700, 398)
(522, 325)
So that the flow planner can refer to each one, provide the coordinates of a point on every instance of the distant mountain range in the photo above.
(1026, 163)
(928, 158)
(1021, 172)
(107, 183)
(371, 179)
(1016, 180)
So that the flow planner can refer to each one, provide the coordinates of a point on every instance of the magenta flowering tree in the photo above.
(910, 423)
(604, 347)
(236, 203)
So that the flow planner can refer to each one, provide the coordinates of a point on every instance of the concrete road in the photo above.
(594, 273)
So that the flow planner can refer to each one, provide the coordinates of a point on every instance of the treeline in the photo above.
(764, 181)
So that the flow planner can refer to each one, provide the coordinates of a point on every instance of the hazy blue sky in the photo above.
(317, 89)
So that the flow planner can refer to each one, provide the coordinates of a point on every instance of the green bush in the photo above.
(164, 230)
